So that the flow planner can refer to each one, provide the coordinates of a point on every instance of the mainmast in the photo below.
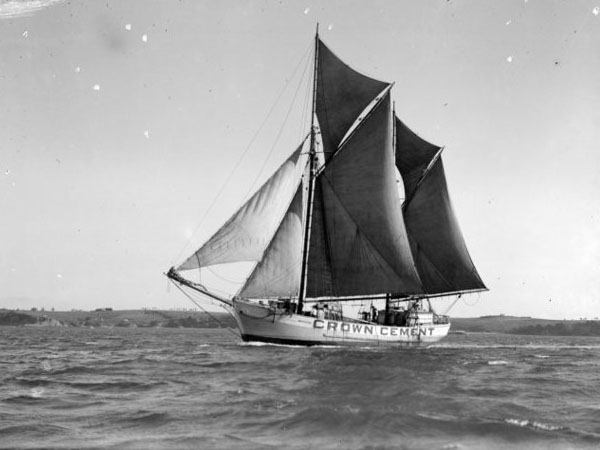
(388, 296)
(312, 162)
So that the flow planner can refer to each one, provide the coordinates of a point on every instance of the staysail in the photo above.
(359, 244)
(342, 94)
(436, 241)
(247, 233)
(278, 272)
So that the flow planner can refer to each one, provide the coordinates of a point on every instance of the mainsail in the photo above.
(436, 241)
(248, 232)
(358, 242)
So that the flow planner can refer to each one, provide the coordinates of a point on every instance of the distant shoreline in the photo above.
(107, 318)
(148, 318)
(526, 326)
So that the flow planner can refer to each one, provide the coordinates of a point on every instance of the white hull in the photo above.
(261, 323)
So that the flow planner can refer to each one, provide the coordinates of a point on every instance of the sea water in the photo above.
(125, 388)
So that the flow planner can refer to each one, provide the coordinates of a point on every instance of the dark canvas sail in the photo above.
(437, 244)
(358, 241)
(278, 272)
(247, 233)
(413, 155)
(342, 94)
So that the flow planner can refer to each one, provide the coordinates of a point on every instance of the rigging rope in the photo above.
(306, 107)
(445, 313)
(222, 278)
(239, 161)
(475, 302)
(206, 312)
(268, 157)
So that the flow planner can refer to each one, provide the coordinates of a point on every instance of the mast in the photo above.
(388, 296)
(312, 156)
(394, 144)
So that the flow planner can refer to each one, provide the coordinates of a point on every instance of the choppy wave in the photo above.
(147, 419)
(148, 388)
(552, 346)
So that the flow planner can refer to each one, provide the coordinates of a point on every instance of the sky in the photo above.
(130, 130)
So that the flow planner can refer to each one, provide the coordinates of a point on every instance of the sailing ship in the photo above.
(330, 227)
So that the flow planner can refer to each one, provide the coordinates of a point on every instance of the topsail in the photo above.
(342, 94)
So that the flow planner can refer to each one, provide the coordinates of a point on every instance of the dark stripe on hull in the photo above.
(269, 340)
(346, 342)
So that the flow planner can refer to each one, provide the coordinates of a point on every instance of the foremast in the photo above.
(312, 171)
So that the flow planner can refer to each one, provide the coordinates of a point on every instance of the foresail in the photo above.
(247, 233)
(437, 243)
(342, 94)
(278, 273)
(358, 243)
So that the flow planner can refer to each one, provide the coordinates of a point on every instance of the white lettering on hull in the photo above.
(371, 330)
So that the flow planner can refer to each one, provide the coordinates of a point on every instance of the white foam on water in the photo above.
(37, 392)
(498, 362)
(524, 423)
(300, 346)
(543, 426)
(267, 344)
